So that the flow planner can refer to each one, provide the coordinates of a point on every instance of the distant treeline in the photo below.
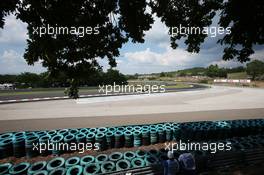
(27, 79)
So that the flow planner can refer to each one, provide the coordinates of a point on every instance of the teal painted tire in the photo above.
(91, 169)
(102, 130)
(115, 156)
(75, 170)
(72, 161)
(58, 171)
(137, 162)
(4, 168)
(37, 166)
(6, 147)
(123, 165)
(55, 163)
(90, 138)
(129, 155)
(141, 153)
(87, 160)
(63, 132)
(108, 167)
(56, 140)
(19, 169)
(151, 160)
(42, 172)
(101, 158)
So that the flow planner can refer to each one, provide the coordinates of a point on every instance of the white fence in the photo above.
(232, 81)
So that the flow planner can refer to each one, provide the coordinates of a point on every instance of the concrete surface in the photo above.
(215, 103)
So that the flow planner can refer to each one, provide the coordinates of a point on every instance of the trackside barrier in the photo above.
(248, 150)
(19, 144)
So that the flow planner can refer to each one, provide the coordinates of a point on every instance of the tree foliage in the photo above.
(255, 69)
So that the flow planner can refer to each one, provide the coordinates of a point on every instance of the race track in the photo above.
(216, 103)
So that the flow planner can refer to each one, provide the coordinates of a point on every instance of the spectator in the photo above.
(171, 166)
(187, 164)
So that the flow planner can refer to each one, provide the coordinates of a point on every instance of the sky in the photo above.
(154, 55)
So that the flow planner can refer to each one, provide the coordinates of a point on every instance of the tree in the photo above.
(255, 69)
(120, 21)
(6, 7)
(215, 71)
(75, 55)
(245, 18)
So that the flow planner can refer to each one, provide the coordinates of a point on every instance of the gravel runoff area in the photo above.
(216, 103)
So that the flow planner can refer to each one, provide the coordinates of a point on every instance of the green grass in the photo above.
(238, 75)
(179, 85)
(82, 90)
(43, 91)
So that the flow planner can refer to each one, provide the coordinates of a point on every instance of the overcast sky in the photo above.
(155, 55)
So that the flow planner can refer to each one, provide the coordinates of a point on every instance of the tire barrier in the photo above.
(145, 136)
(90, 137)
(108, 167)
(30, 142)
(151, 160)
(110, 139)
(74, 131)
(128, 139)
(129, 155)
(44, 140)
(248, 150)
(72, 161)
(87, 160)
(119, 139)
(161, 135)
(137, 162)
(101, 140)
(43, 172)
(68, 139)
(56, 140)
(37, 166)
(91, 169)
(55, 163)
(153, 136)
(81, 137)
(4, 168)
(122, 165)
(58, 171)
(19, 169)
(115, 156)
(20, 144)
(75, 170)
(141, 153)
(6, 148)
(101, 158)
(137, 138)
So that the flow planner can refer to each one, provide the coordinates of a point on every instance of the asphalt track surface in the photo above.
(216, 103)
(58, 93)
